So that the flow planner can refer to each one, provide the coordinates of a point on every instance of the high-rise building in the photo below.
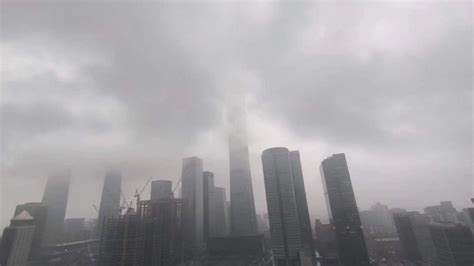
(110, 199)
(193, 211)
(444, 212)
(220, 212)
(39, 212)
(453, 244)
(123, 241)
(325, 240)
(75, 230)
(302, 203)
(55, 198)
(209, 204)
(17, 240)
(343, 212)
(415, 238)
(469, 214)
(161, 189)
(242, 208)
(285, 229)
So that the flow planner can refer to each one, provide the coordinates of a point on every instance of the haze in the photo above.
(137, 86)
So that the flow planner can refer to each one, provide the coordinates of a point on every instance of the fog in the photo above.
(137, 86)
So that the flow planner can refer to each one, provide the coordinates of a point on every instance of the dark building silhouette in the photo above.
(343, 212)
(220, 212)
(123, 241)
(193, 211)
(161, 189)
(55, 198)
(245, 250)
(17, 240)
(243, 220)
(39, 212)
(209, 201)
(110, 199)
(285, 228)
(75, 230)
(453, 244)
(152, 236)
(415, 238)
(326, 240)
(302, 203)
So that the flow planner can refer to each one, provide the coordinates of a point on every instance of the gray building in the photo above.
(39, 212)
(343, 212)
(242, 208)
(110, 199)
(161, 189)
(75, 230)
(285, 228)
(302, 203)
(209, 204)
(193, 209)
(55, 198)
(17, 240)
(453, 244)
(220, 212)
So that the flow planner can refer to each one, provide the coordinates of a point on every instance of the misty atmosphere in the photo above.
(248, 108)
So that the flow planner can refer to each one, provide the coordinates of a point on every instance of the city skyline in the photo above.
(392, 107)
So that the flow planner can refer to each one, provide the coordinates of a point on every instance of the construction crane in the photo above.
(95, 208)
(137, 194)
(177, 184)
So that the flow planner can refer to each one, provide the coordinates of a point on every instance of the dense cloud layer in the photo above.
(138, 86)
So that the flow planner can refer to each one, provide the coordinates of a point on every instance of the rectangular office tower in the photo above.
(343, 212)
(453, 244)
(285, 229)
(220, 212)
(110, 199)
(16, 240)
(193, 211)
(302, 203)
(39, 212)
(161, 189)
(243, 218)
(55, 199)
(209, 204)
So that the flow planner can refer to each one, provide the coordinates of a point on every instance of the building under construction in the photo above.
(151, 235)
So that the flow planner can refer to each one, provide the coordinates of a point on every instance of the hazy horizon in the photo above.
(93, 86)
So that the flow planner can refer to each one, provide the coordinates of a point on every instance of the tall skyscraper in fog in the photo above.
(220, 212)
(110, 199)
(193, 211)
(161, 189)
(17, 240)
(343, 212)
(285, 230)
(39, 212)
(209, 204)
(55, 198)
(302, 203)
(242, 206)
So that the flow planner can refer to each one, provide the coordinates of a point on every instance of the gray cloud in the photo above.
(138, 86)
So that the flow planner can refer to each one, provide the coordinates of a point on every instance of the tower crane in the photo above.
(137, 194)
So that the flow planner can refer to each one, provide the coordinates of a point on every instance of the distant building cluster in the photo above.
(201, 227)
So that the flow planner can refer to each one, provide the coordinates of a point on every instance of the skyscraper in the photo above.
(220, 212)
(17, 240)
(415, 238)
(302, 203)
(55, 198)
(161, 189)
(285, 230)
(193, 211)
(39, 212)
(110, 199)
(343, 212)
(242, 208)
(208, 204)
(453, 244)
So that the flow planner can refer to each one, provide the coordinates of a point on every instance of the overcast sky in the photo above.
(138, 86)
